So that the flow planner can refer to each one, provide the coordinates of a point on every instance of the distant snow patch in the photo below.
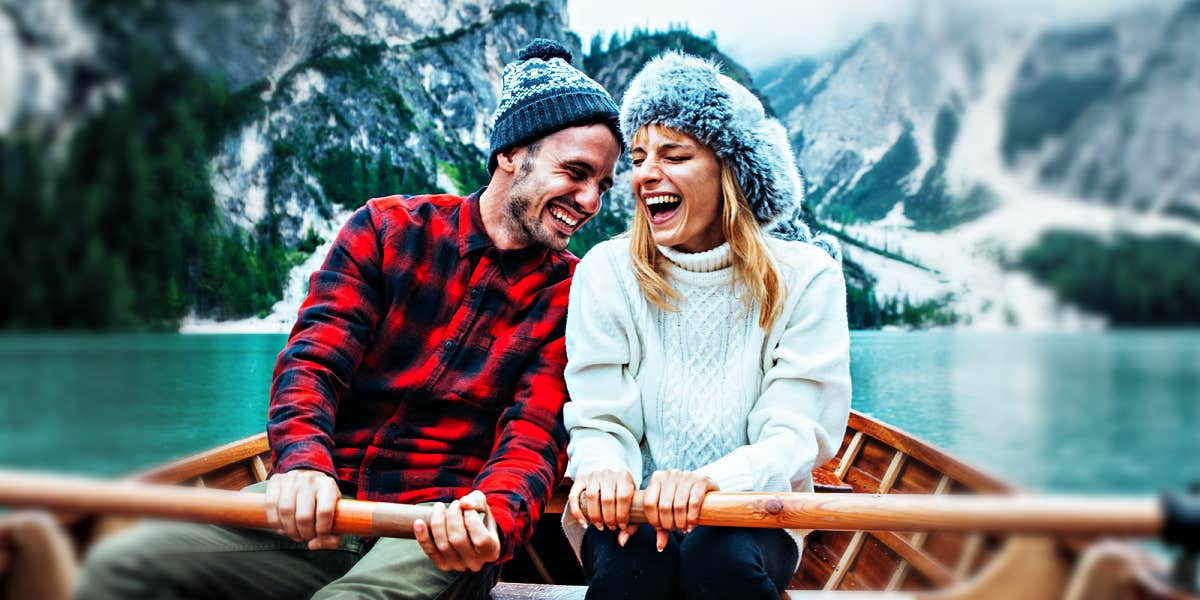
(306, 83)
(283, 313)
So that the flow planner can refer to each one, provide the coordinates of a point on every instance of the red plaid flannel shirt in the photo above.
(426, 363)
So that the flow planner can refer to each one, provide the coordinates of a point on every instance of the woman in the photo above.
(702, 355)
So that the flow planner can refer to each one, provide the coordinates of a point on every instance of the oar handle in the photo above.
(85, 495)
(1057, 515)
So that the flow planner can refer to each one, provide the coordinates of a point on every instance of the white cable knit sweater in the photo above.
(705, 388)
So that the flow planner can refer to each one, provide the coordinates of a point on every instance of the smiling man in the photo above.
(426, 366)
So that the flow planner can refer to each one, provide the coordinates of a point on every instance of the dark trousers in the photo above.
(710, 562)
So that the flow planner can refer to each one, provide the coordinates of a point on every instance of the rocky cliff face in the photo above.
(354, 98)
(1107, 113)
(195, 132)
(360, 99)
(1100, 113)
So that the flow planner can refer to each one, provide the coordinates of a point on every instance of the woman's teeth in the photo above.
(663, 203)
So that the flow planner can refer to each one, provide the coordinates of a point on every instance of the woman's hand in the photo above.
(672, 501)
(609, 496)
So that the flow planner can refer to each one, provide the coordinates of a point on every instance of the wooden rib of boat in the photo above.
(874, 458)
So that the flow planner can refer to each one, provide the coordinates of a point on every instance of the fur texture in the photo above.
(690, 94)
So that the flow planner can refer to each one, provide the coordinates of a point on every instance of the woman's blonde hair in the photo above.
(753, 266)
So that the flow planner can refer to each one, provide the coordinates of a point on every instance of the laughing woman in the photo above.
(703, 355)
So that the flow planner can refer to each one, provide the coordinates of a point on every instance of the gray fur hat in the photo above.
(689, 94)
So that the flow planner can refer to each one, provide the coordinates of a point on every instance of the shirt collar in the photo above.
(471, 234)
(515, 264)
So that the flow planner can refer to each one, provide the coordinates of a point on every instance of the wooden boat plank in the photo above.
(876, 563)
(972, 477)
(196, 465)
(848, 453)
(818, 561)
(845, 562)
(534, 591)
(868, 468)
(912, 555)
(944, 548)
(917, 478)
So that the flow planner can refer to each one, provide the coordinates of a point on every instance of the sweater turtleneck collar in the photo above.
(700, 262)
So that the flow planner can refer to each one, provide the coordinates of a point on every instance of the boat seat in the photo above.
(541, 591)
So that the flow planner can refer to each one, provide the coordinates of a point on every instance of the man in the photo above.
(425, 366)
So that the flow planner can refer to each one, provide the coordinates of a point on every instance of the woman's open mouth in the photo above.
(663, 207)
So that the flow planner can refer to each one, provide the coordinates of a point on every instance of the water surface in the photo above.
(1108, 412)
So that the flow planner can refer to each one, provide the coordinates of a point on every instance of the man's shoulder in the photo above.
(414, 204)
(563, 258)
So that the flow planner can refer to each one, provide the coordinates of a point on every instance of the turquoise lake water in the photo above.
(1110, 412)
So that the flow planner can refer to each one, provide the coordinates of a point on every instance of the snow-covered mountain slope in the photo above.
(955, 141)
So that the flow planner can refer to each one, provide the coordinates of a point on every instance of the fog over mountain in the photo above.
(956, 140)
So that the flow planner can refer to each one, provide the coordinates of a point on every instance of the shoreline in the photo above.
(271, 324)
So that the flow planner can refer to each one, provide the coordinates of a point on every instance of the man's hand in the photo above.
(672, 501)
(300, 504)
(609, 496)
(458, 538)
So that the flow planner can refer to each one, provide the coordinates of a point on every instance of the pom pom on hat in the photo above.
(544, 49)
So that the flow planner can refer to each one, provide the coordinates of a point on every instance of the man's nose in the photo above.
(589, 200)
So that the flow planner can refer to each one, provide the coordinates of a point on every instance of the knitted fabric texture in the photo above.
(691, 95)
(541, 93)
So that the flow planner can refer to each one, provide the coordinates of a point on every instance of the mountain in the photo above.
(953, 141)
(181, 158)
(1119, 126)
(168, 162)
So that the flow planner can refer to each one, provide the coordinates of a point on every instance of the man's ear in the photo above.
(507, 160)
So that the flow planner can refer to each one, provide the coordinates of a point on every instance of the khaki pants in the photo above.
(179, 560)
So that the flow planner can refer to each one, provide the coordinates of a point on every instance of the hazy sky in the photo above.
(755, 32)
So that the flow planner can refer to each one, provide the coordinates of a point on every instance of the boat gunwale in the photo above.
(973, 478)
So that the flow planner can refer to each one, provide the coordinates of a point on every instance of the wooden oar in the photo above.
(1062, 515)
(79, 494)
(1059, 515)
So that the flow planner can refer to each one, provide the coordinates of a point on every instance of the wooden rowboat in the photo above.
(875, 458)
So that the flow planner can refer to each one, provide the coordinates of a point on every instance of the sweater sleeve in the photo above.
(798, 420)
(604, 416)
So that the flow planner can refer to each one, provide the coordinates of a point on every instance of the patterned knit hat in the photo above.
(691, 95)
(542, 93)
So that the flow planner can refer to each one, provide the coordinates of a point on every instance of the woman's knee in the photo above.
(635, 570)
(721, 562)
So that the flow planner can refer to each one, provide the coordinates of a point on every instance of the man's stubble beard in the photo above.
(528, 229)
